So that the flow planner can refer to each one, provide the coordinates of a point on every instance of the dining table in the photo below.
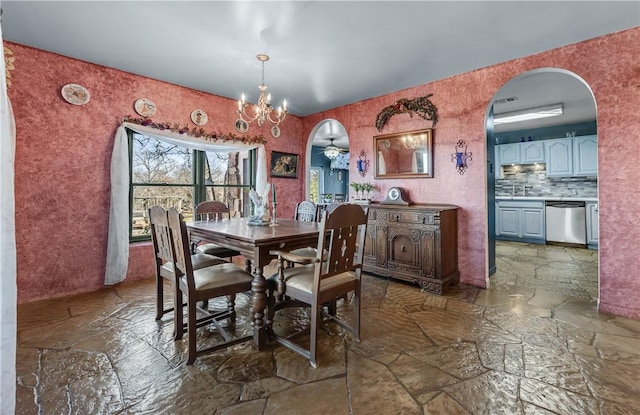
(255, 242)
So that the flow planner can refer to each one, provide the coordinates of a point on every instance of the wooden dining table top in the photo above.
(240, 229)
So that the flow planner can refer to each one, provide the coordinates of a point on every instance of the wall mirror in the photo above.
(404, 155)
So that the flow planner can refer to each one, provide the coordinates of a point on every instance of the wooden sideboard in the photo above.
(416, 243)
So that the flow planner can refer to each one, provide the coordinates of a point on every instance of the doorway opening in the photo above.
(327, 173)
(520, 184)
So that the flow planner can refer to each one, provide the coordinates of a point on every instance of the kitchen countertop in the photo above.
(545, 198)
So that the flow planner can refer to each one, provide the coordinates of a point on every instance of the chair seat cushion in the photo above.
(306, 252)
(301, 279)
(197, 261)
(220, 276)
(217, 250)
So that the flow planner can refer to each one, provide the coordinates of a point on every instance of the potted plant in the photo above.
(367, 187)
(357, 187)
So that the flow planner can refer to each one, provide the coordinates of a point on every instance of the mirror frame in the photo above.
(384, 141)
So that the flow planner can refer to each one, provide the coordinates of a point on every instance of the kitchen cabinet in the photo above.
(532, 152)
(521, 153)
(592, 224)
(585, 155)
(577, 156)
(559, 160)
(518, 220)
(509, 153)
(416, 243)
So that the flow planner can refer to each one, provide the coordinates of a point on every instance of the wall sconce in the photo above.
(363, 164)
(461, 156)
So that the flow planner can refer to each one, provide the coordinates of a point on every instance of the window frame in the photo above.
(197, 181)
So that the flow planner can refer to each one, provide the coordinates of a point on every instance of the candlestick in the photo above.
(273, 191)
(274, 221)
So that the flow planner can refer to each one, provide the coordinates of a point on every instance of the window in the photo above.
(316, 184)
(173, 176)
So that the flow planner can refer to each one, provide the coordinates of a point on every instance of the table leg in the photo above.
(258, 305)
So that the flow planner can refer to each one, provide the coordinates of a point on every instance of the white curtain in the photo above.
(118, 239)
(8, 288)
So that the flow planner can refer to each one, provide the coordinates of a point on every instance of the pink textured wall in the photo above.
(63, 155)
(609, 65)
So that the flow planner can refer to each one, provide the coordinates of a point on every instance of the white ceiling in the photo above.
(323, 54)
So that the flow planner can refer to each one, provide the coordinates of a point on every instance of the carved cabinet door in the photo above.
(404, 248)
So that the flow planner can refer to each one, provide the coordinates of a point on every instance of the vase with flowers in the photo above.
(367, 187)
(357, 187)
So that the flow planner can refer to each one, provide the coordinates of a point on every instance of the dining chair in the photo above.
(305, 212)
(225, 279)
(212, 210)
(161, 239)
(321, 280)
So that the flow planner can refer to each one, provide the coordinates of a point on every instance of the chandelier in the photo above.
(331, 151)
(263, 110)
(413, 142)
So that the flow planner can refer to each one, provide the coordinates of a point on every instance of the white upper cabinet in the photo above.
(564, 157)
(577, 156)
(532, 152)
(509, 153)
(521, 153)
(559, 157)
(585, 155)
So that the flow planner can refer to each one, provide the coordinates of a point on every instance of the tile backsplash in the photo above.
(534, 177)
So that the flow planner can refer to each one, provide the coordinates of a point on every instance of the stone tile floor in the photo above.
(472, 351)
(566, 270)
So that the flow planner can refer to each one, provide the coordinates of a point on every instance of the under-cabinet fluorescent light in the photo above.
(529, 114)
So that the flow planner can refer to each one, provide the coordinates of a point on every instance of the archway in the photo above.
(334, 174)
(541, 87)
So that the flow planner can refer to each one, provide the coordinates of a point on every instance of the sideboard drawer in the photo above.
(422, 218)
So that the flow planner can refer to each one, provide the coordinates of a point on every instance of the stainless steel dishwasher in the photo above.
(566, 222)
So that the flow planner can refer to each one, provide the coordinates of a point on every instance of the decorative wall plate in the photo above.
(241, 126)
(75, 94)
(199, 117)
(275, 131)
(145, 107)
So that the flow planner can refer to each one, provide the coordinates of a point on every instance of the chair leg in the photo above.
(191, 330)
(231, 303)
(178, 316)
(313, 344)
(159, 298)
(281, 286)
(356, 317)
(332, 307)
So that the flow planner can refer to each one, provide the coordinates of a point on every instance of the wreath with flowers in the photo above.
(197, 132)
(420, 105)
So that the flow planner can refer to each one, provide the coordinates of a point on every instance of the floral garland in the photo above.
(420, 105)
(197, 132)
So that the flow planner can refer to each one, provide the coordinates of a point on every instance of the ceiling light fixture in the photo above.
(331, 151)
(529, 114)
(262, 111)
